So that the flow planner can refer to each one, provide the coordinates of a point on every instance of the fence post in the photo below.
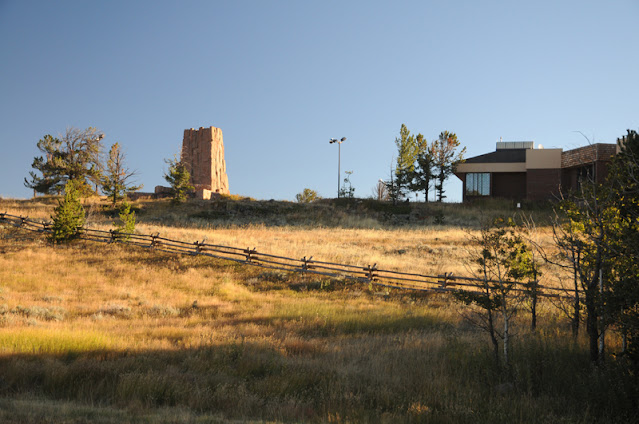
(306, 265)
(371, 272)
(443, 279)
(154, 240)
(250, 258)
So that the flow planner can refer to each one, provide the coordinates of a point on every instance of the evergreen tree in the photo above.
(179, 178)
(127, 220)
(445, 159)
(601, 235)
(115, 180)
(590, 237)
(392, 188)
(51, 181)
(624, 239)
(76, 156)
(423, 173)
(406, 155)
(68, 217)
(585, 228)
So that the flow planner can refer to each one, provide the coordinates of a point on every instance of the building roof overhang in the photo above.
(500, 156)
(465, 168)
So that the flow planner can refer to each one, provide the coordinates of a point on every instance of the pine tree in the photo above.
(115, 180)
(76, 156)
(127, 220)
(406, 155)
(601, 230)
(68, 217)
(623, 303)
(179, 178)
(423, 173)
(445, 159)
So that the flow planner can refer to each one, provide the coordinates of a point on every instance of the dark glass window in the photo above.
(478, 184)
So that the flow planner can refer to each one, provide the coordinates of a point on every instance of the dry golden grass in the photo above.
(38, 208)
(418, 248)
(131, 335)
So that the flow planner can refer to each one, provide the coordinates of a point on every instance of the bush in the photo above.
(307, 196)
(127, 219)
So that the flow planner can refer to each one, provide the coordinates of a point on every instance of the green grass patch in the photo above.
(332, 318)
(53, 342)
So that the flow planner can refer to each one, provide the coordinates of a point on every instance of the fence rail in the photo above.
(371, 274)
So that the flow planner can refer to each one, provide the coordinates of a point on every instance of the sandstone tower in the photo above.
(203, 154)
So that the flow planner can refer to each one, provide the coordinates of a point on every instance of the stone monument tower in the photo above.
(203, 154)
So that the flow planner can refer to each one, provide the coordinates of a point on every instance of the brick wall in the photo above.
(509, 185)
(588, 154)
(542, 184)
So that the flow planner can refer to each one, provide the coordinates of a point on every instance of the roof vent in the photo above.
(502, 145)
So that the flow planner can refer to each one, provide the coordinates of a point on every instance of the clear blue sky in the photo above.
(282, 77)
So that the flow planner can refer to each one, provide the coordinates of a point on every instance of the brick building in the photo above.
(518, 171)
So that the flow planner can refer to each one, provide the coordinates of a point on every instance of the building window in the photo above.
(478, 184)
(585, 175)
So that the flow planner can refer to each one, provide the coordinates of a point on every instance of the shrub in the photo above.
(53, 313)
(115, 310)
(127, 219)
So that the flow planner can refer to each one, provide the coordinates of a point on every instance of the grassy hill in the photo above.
(112, 333)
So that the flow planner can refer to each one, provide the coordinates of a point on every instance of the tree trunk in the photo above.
(591, 321)
(506, 337)
(493, 338)
(576, 318)
(506, 318)
(533, 310)
(602, 324)
(491, 322)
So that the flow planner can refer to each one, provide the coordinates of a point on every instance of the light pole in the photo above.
(339, 156)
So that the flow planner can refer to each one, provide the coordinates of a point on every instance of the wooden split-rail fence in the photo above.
(371, 274)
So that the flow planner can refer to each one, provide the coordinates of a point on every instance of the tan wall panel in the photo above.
(543, 159)
(491, 167)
